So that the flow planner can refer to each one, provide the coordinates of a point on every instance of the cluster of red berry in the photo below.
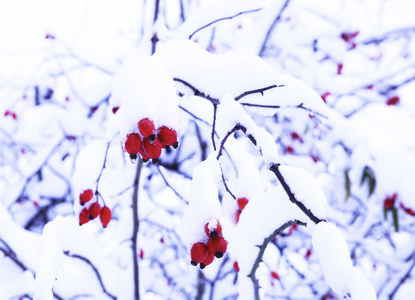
(151, 141)
(242, 202)
(203, 253)
(93, 210)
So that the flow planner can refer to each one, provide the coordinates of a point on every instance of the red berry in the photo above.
(237, 215)
(209, 259)
(393, 100)
(218, 246)
(308, 253)
(198, 253)
(236, 266)
(105, 216)
(85, 196)
(94, 210)
(153, 150)
(275, 275)
(339, 68)
(242, 202)
(83, 216)
(389, 202)
(289, 149)
(213, 229)
(167, 137)
(133, 144)
(147, 128)
(325, 95)
(296, 136)
(141, 253)
(143, 155)
(115, 109)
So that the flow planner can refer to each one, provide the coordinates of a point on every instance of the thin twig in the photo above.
(261, 91)
(272, 28)
(262, 251)
(67, 253)
(222, 19)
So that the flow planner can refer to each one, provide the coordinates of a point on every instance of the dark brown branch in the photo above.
(136, 227)
(261, 91)
(262, 251)
(402, 280)
(300, 205)
(222, 19)
(196, 91)
(272, 27)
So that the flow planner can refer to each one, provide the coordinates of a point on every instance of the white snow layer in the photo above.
(235, 73)
(259, 219)
(204, 203)
(144, 89)
(231, 113)
(334, 256)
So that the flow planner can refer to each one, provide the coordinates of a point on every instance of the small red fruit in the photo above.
(236, 266)
(153, 150)
(308, 253)
(198, 253)
(242, 202)
(143, 154)
(141, 253)
(94, 210)
(389, 202)
(325, 95)
(339, 68)
(275, 275)
(133, 145)
(167, 137)
(209, 259)
(105, 216)
(218, 246)
(115, 109)
(289, 149)
(237, 215)
(83, 216)
(393, 100)
(213, 229)
(85, 196)
(147, 129)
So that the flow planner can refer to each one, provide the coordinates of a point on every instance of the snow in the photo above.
(204, 203)
(273, 209)
(145, 90)
(334, 256)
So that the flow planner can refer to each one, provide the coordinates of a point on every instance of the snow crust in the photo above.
(259, 219)
(334, 256)
(144, 89)
(204, 203)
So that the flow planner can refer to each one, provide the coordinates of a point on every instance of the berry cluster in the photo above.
(203, 253)
(93, 210)
(151, 141)
(242, 202)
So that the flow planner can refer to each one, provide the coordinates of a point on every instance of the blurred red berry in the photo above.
(215, 231)
(105, 216)
(389, 202)
(94, 210)
(83, 216)
(133, 145)
(242, 202)
(167, 137)
(218, 246)
(198, 253)
(236, 266)
(115, 109)
(85, 196)
(393, 100)
(209, 259)
(275, 275)
(339, 68)
(325, 95)
(153, 150)
(147, 128)
(237, 215)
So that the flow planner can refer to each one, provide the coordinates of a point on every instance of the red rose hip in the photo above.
(218, 246)
(198, 253)
(147, 129)
(85, 196)
(242, 202)
(153, 150)
(105, 216)
(83, 216)
(133, 145)
(167, 137)
(213, 229)
(94, 210)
